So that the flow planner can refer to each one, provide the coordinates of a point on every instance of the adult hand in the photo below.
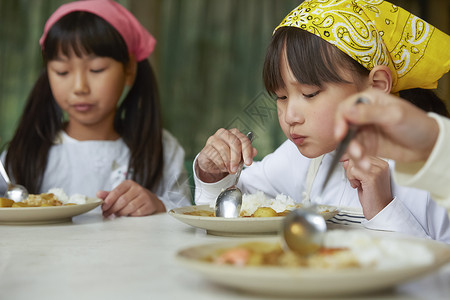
(390, 127)
(130, 199)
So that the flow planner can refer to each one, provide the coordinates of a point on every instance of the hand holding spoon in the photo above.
(229, 201)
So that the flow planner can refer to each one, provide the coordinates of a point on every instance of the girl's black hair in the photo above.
(314, 61)
(137, 120)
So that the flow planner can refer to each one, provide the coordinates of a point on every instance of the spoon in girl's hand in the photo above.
(229, 201)
(15, 192)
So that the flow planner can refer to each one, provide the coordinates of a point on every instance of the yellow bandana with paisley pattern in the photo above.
(376, 32)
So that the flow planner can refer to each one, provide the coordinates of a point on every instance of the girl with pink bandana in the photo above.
(92, 123)
(323, 52)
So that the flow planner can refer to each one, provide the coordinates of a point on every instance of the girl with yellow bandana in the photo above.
(323, 52)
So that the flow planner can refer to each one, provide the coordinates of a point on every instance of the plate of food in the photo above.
(52, 207)
(259, 215)
(351, 262)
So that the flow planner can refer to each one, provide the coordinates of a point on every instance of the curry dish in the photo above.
(260, 212)
(40, 200)
(272, 254)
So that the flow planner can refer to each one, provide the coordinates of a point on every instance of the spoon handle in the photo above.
(4, 174)
(241, 164)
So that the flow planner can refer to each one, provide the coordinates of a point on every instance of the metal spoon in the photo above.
(15, 192)
(304, 229)
(229, 201)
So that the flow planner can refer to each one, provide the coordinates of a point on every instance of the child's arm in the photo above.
(130, 199)
(388, 206)
(413, 212)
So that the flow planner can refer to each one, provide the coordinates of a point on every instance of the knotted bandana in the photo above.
(376, 32)
(139, 41)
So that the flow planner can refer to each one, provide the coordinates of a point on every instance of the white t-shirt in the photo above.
(285, 172)
(85, 167)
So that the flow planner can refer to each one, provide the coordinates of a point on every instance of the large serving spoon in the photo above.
(229, 201)
(304, 229)
(15, 192)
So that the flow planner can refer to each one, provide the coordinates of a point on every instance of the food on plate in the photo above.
(272, 254)
(266, 212)
(54, 197)
(5, 202)
(259, 213)
(44, 199)
(20, 204)
(257, 204)
(200, 213)
(341, 250)
(73, 199)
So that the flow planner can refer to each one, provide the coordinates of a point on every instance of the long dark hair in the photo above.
(137, 120)
(314, 61)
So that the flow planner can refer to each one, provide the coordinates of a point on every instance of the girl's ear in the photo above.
(380, 77)
(130, 71)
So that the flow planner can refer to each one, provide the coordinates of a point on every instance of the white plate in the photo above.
(236, 226)
(45, 215)
(282, 281)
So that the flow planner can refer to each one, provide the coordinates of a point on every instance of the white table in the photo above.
(129, 258)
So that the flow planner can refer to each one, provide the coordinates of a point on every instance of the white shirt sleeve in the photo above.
(396, 217)
(433, 175)
(413, 212)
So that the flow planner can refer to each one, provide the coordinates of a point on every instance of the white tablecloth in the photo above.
(129, 258)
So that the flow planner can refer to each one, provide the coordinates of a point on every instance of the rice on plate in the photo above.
(252, 202)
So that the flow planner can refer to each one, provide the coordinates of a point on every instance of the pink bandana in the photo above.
(139, 41)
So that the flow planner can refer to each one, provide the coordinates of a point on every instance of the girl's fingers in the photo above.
(248, 151)
(118, 198)
(245, 150)
(132, 208)
(225, 150)
(371, 173)
(235, 142)
(102, 194)
(235, 153)
(239, 147)
(215, 158)
(347, 167)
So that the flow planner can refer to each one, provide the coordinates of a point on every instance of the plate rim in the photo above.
(26, 217)
(242, 226)
(173, 211)
(307, 276)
